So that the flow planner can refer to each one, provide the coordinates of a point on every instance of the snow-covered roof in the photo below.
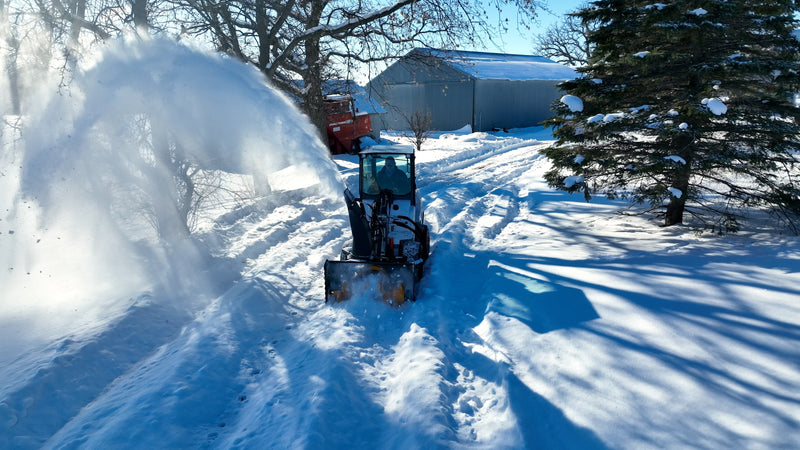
(502, 66)
(361, 101)
(399, 149)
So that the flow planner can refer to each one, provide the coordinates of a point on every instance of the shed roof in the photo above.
(502, 66)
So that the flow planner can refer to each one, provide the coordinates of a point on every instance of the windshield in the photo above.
(391, 172)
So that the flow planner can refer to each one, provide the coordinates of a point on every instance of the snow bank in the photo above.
(466, 129)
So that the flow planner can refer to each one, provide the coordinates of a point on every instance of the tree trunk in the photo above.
(12, 71)
(674, 213)
(314, 105)
(140, 19)
(261, 30)
(78, 11)
(677, 205)
(169, 194)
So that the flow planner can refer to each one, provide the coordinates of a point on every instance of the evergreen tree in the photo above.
(687, 106)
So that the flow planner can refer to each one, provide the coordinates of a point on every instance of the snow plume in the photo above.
(98, 172)
(138, 96)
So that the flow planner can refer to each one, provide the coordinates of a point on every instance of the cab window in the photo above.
(391, 172)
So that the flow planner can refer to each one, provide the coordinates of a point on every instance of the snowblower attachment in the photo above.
(390, 241)
(394, 283)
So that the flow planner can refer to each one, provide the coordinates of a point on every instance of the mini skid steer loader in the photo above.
(390, 239)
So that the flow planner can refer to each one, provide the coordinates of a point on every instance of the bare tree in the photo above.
(420, 126)
(566, 42)
(318, 40)
(37, 36)
(11, 47)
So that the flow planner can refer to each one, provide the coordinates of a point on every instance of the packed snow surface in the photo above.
(543, 321)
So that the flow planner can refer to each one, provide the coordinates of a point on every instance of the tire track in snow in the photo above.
(481, 163)
(467, 209)
(483, 218)
(350, 359)
(289, 365)
(307, 359)
(395, 368)
(29, 414)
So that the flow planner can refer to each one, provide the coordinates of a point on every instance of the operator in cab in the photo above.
(390, 177)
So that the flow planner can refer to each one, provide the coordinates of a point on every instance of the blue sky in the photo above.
(520, 41)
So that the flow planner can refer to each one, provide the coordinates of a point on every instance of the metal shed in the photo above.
(484, 90)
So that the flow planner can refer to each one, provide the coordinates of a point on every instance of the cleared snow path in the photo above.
(469, 208)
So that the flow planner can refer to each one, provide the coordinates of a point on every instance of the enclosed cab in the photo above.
(390, 239)
(391, 168)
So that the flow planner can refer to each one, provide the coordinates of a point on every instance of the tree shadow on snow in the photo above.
(80, 370)
(542, 306)
(719, 297)
(496, 286)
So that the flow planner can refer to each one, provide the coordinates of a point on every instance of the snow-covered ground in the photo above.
(543, 321)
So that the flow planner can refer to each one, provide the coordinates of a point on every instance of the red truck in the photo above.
(345, 124)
